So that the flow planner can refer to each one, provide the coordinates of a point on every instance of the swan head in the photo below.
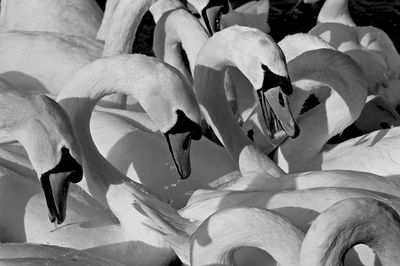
(179, 137)
(44, 129)
(211, 12)
(264, 64)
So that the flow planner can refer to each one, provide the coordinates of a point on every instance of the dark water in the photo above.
(384, 14)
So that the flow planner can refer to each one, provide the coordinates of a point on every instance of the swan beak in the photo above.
(55, 184)
(275, 108)
(55, 187)
(212, 13)
(179, 146)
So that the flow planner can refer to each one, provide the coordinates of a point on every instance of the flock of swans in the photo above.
(226, 148)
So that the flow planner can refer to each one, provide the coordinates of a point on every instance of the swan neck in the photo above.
(334, 11)
(217, 239)
(348, 223)
(78, 98)
(340, 87)
(214, 105)
(178, 30)
(123, 24)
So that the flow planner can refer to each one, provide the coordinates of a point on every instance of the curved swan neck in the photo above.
(218, 237)
(176, 30)
(141, 77)
(348, 223)
(338, 79)
(335, 11)
(38, 123)
(123, 24)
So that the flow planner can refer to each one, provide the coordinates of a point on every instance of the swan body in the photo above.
(78, 18)
(34, 254)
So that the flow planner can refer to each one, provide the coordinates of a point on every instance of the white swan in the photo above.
(18, 254)
(78, 18)
(330, 236)
(261, 60)
(330, 73)
(369, 46)
(49, 142)
(376, 114)
(349, 223)
(300, 206)
(100, 223)
(351, 154)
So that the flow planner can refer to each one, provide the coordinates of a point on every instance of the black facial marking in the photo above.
(224, 10)
(309, 103)
(184, 124)
(272, 80)
(68, 163)
(250, 134)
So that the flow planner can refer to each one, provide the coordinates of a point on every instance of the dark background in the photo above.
(384, 14)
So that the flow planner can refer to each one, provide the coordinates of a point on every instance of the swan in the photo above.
(78, 18)
(341, 80)
(35, 254)
(348, 223)
(371, 47)
(300, 206)
(98, 221)
(49, 143)
(268, 74)
(348, 155)
(330, 236)
(376, 114)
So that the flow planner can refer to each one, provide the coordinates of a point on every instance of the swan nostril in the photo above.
(281, 101)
